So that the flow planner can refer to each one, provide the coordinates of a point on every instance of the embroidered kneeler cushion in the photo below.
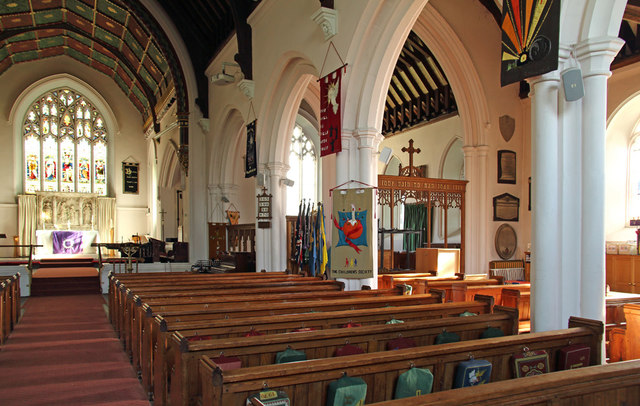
(447, 337)
(198, 338)
(574, 356)
(348, 350)
(227, 363)
(303, 329)
(350, 325)
(472, 372)
(491, 332)
(347, 391)
(467, 313)
(253, 333)
(400, 343)
(414, 382)
(394, 321)
(529, 363)
(270, 397)
(290, 355)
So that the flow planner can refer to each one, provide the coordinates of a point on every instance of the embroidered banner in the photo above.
(529, 38)
(351, 253)
(67, 242)
(330, 113)
(251, 163)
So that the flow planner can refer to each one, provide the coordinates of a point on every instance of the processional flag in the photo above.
(529, 38)
(251, 163)
(330, 113)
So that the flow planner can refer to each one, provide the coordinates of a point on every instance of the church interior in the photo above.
(179, 173)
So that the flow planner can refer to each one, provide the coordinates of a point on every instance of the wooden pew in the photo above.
(189, 282)
(306, 382)
(609, 384)
(256, 351)
(9, 305)
(290, 322)
(149, 335)
(632, 332)
(520, 300)
(422, 284)
(615, 323)
(176, 278)
(462, 292)
(125, 313)
(199, 303)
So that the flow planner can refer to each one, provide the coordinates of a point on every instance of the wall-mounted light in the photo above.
(287, 182)
(224, 199)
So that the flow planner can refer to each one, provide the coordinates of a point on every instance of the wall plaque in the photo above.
(130, 177)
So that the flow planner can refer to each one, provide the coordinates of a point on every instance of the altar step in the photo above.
(62, 286)
(67, 263)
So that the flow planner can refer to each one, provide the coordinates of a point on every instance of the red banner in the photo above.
(330, 122)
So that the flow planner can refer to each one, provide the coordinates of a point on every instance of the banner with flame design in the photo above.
(330, 113)
(530, 30)
(351, 253)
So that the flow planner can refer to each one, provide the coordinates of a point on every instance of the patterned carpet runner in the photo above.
(64, 352)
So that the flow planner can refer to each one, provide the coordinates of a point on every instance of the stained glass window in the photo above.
(65, 145)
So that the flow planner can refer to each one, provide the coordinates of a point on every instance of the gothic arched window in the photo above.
(303, 171)
(65, 145)
(633, 211)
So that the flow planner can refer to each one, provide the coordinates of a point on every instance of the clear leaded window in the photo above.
(65, 145)
(634, 179)
(303, 171)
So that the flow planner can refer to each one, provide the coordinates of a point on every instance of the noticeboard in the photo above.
(130, 177)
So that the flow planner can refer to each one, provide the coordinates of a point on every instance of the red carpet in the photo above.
(64, 352)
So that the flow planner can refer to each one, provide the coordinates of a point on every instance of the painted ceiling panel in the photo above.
(45, 4)
(48, 17)
(15, 6)
(49, 52)
(110, 25)
(17, 21)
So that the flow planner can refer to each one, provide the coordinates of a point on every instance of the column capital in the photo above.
(278, 169)
(475, 150)
(551, 78)
(596, 54)
(368, 138)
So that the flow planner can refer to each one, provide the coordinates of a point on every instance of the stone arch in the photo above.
(288, 85)
(38, 88)
(170, 164)
(222, 153)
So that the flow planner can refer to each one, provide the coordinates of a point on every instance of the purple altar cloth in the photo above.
(67, 242)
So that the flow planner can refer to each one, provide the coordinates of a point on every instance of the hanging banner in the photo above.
(529, 38)
(330, 122)
(251, 163)
(130, 177)
(351, 251)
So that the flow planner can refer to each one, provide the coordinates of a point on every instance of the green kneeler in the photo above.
(347, 391)
(290, 355)
(414, 382)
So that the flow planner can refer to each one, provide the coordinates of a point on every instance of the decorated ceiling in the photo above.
(106, 35)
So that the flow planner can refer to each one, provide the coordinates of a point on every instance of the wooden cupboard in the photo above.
(623, 273)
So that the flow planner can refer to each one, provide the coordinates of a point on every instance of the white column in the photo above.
(595, 56)
(368, 142)
(477, 214)
(545, 205)
(263, 235)
(570, 140)
(278, 171)
(343, 161)
(197, 221)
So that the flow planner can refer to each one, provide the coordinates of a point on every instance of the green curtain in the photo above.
(415, 218)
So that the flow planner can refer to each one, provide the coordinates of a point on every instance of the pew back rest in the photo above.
(304, 381)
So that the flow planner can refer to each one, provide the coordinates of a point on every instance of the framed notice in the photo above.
(264, 209)
(130, 171)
